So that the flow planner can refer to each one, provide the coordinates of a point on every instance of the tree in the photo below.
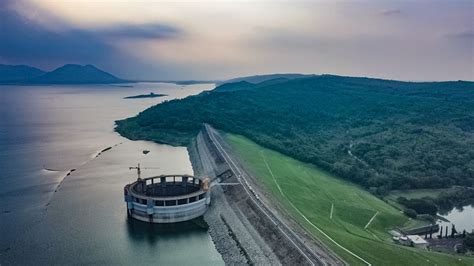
(411, 213)
(469, 241)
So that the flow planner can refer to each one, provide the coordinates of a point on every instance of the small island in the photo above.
(151, 95)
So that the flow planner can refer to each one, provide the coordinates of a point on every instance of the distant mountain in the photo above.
(67, 74)
(261, 78)
(11, 73)
(76, 74)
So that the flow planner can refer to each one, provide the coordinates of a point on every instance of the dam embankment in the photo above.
(245, 228)
(234, 238)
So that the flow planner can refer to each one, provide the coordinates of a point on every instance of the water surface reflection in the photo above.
(139, 231)
(60, 219)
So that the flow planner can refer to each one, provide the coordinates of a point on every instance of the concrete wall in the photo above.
(152, 208)
(169, 214)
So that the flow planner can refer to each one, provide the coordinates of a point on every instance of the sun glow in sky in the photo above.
(409, 40)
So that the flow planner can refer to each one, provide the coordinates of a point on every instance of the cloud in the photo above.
(145, 31)
(26, 41)
(6, 4)
(463, 34)
(391, 12)
(421, 40)
(22, 39)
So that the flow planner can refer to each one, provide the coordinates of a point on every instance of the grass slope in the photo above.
(305, 190)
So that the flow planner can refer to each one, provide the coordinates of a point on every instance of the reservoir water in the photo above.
(462, 218)
(52, 214)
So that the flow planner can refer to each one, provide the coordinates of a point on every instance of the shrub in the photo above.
(411, 213)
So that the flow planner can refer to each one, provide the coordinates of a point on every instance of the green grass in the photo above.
(304, 190)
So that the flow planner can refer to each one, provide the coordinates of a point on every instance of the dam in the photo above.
(167, 198)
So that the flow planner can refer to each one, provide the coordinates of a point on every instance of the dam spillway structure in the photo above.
(167, 198)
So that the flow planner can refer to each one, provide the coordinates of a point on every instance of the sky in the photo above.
(220, 39)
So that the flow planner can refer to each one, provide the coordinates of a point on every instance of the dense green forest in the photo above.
(381, 134)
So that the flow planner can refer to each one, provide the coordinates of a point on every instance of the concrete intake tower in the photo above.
(167, 198)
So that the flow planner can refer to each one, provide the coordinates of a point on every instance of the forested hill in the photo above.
(378, 133)
(261, 78)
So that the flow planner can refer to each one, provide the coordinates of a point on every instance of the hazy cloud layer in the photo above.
(24, 41)
(409, 40)
(144, 31)
(391, 12)
(467, 34)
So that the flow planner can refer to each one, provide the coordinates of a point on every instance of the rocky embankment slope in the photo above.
(234, 237)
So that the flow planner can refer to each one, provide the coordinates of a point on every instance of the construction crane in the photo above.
(139, 169)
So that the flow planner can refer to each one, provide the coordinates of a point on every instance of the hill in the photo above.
(76, 74)
(244, 85)
(347, 214)
(67, 74)
(261, 78)
(11, 73)
(381, 134)
(235, 86)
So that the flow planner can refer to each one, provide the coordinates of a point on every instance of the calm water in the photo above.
(47, 217)
(462, 218)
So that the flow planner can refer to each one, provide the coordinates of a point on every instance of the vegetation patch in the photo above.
(420, 206)
(381, 134)
(432, 201)
(307, 192)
